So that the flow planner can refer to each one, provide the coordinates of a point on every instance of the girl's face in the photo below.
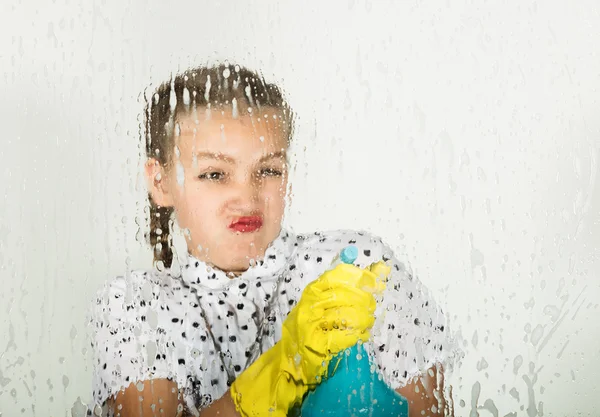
(227, 182)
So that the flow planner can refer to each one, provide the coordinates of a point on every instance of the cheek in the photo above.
(195, 204)
(275, 195)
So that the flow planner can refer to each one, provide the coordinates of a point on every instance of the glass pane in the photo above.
(465, 137)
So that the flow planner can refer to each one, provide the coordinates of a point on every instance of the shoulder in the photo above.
(131, 284)
(371, 248)
(131, 330)
(314, 252)
(127, 295)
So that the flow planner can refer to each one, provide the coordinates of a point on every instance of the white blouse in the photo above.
(150, 324)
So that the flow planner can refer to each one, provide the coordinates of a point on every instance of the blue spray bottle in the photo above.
(353, 387)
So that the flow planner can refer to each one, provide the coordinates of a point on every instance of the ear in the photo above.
(157, 182)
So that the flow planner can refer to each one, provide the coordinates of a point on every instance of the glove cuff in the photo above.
(267, 387)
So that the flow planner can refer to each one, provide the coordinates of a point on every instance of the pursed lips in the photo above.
(246, 224)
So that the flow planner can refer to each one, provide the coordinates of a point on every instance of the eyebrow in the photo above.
(273, 155)
(214, 155)
(231, 160)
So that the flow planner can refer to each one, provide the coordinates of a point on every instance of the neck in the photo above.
(233, 274)
(230, 273)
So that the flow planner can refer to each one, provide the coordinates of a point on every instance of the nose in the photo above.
(245, 195)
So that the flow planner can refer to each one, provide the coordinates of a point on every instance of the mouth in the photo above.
(246, 224)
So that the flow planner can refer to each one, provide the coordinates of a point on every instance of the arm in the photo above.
(423, 394)
(411, 330)
(223, 407)
(426, 394)
(159, 397)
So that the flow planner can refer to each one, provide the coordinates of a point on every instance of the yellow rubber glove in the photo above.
(333, 314)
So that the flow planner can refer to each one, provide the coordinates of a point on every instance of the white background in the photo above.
(465, 133)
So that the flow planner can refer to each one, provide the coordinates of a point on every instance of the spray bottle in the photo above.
(353, 387)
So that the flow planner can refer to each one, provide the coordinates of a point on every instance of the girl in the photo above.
(175, 339)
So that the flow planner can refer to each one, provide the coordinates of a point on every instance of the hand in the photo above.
(334, 313)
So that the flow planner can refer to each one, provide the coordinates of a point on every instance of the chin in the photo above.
(250, 243)
(236, 264)
(239, 254)
(244, 255)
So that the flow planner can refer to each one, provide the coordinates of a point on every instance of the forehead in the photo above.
(220, 132)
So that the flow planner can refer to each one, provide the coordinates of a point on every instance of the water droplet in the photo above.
(482, 364)
(207, 89)
(537, 334)
(234, 110)
(248, 92)
(186, 97)
(180, 172)
(553, 312)
(172, 98)
(79, 409)
(518, 361)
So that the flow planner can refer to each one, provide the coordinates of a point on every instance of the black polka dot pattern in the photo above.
(150, 325)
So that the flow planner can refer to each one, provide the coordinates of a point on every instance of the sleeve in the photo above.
(411, 333)
(127, 342)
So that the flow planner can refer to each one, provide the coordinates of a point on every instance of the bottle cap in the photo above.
(349, 254)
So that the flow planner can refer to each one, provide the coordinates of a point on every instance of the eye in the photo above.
(212, 176)
(270, 172)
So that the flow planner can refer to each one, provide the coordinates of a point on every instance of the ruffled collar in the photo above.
(277, 255)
